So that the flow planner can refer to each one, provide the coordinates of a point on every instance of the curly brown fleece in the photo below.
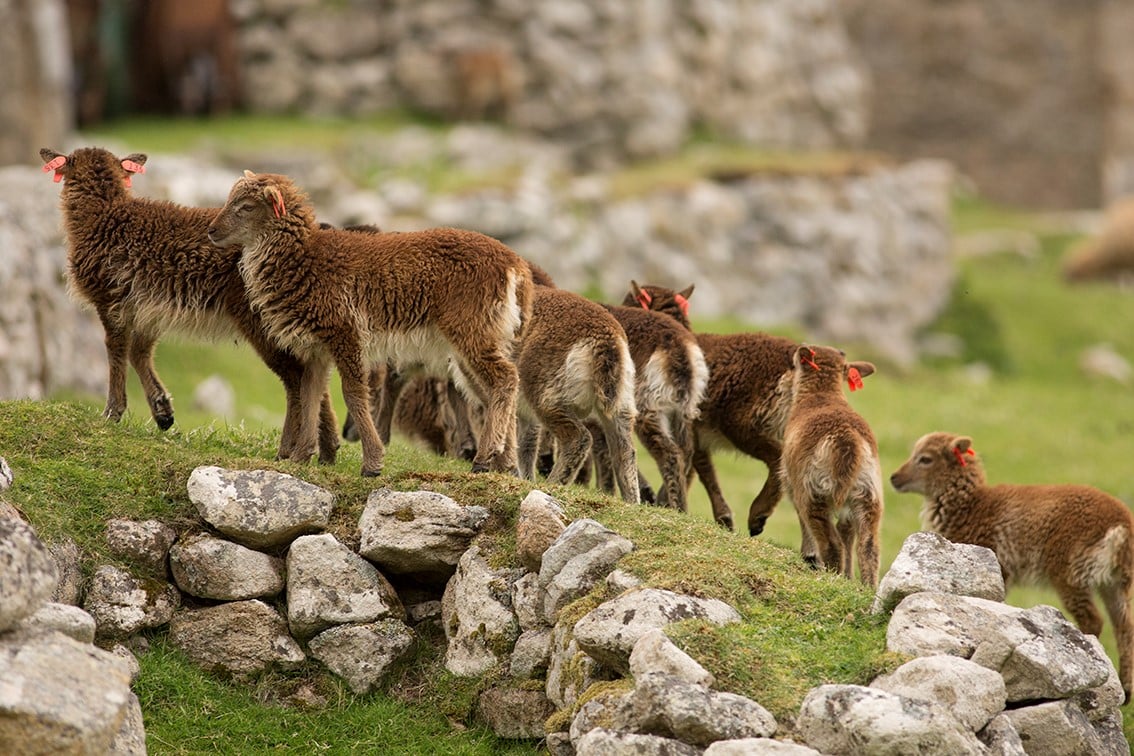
(146, 267)
(431, 297)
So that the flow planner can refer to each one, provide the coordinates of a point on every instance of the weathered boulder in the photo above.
(527, 602)
(531, 654)
(60, 695)
(130, 740)
(1060, 728)
(260, 509)
(418, 533)
(603, 742)
(123, 605)
(971, 693)
(539, 523)
(328, 584)
(515, 713)
(146, 543)
(1039, 653)
(363, 654)
(28, 570)
(570, 671)
(608, 632)
(237, 638)
(851, 719)
(668, 706)
(6, 476)
(1001, 737)
(480, 626)
(579, 559)
(654, 653)
(68, 566)
(928, 562)
(63, 618)
(761, 746)
(215, 568)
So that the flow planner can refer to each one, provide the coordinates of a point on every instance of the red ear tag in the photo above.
(683, 303)
(854, 379)
(961, 457)
(810, 362)
(644, 299)
(55, 164)
(133, 167)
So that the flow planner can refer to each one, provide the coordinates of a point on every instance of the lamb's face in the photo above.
(936, 459)
(244, 217)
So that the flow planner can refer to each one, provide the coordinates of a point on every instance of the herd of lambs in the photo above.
(540, 371)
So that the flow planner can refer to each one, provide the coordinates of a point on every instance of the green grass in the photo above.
(1036, 419)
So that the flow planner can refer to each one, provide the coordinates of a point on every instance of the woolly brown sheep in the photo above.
(830, 465)
(147, 267)
(671, 376)
(1074, 537)
(443, 298)
(745, 403)
(575, 365)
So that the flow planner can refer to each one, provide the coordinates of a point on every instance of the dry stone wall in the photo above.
(614, 79)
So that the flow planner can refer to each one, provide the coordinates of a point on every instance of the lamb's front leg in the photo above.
(312, 392)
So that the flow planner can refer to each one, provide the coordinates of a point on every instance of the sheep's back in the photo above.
(746, 401)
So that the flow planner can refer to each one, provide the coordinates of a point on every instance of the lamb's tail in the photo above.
(614, 377)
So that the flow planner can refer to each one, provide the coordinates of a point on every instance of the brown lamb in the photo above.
(575, 365)
(447, 299)
(745, 404)
(146, 267)
(1076, 538)
(670, 381)
(830, 465)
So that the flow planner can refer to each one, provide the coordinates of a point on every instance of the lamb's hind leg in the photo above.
(1116, 597)
(620, 440)
(661, 446)
(142, 358)
(117, 339)
(769, 496)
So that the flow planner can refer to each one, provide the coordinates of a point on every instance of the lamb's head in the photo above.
(821, 369)
(660, 299)
(259, 203)
(937, 462)
(98, 170)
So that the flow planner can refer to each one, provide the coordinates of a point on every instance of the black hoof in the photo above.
(726, 523)
(479, 467)
(647, 495)
(371, 473)
(544, 463)
(468, 454)
(812, 562)
(163, 421)
(756, 527)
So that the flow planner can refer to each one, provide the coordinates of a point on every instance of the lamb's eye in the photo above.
(925, 459)
(247, 207)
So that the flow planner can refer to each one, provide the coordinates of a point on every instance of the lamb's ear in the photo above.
(686, 292)
(249, 174)
(854, 372)
(962, 446)
(138, 159)
(132, 164)
(641, 296)
(273, 195)
(864, 368)
(54, 161)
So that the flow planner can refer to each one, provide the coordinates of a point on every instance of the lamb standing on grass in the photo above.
(147, 267)
(575, 365)
(1077, 538)
(745, 404)
(830, 464)
(671, 377)
(443, 298)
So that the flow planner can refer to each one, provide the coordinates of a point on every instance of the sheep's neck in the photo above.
(950, 508)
